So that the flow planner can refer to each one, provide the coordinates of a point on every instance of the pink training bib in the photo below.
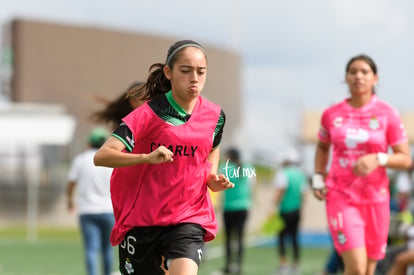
(168, 193)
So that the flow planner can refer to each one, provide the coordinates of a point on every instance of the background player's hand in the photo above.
(365, 165)
(160, 155)
(320, 194)
(71, 206)
(219, 183)
(318, 186)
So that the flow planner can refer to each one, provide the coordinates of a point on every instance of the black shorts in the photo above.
(148, 250)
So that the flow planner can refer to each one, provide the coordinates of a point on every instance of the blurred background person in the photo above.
(401, 190)
(400, 205)
(402, 261)
(291, 184)
(88, 193)
(399, 255)
(360, 137)
(236, 203)
(333, 264)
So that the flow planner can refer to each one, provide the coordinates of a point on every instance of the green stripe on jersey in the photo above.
(220, 125)
(129, 148)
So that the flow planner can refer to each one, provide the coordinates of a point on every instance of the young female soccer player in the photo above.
(360, 130)
(165, 156)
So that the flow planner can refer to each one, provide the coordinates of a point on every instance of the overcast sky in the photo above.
(294, 52)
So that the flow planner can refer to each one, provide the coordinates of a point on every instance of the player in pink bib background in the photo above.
(165, 156)
(354, 139)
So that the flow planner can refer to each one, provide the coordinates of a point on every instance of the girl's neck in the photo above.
(188, 106)
(181, 106)
(357, 101)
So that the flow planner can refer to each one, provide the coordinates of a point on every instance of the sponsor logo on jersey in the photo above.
(341, 238)
(355, 137)
(374, 123)
(128, 266)
(323, 132)
(177, 149)
(200, 253)
(338, 122)
(343, 162)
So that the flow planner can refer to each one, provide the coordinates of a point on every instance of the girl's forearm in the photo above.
(113, 158)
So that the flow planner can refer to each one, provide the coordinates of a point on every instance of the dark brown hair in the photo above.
(364, 58)
(115, 110)
(367, 59)
(157, 83)
(234, 155)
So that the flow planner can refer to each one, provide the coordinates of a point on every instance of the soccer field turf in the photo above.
(262, 260)
(59, 252)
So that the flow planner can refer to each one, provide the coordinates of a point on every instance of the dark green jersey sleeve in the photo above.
(124, 134)
(218, 132)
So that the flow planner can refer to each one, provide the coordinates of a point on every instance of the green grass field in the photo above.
(59, 252)
(263, 261)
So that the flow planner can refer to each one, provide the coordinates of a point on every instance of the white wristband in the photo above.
(317, 181)
(382, 159)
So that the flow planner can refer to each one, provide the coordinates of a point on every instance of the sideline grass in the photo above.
(56, 251)
(262, 260)
(59, 252)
